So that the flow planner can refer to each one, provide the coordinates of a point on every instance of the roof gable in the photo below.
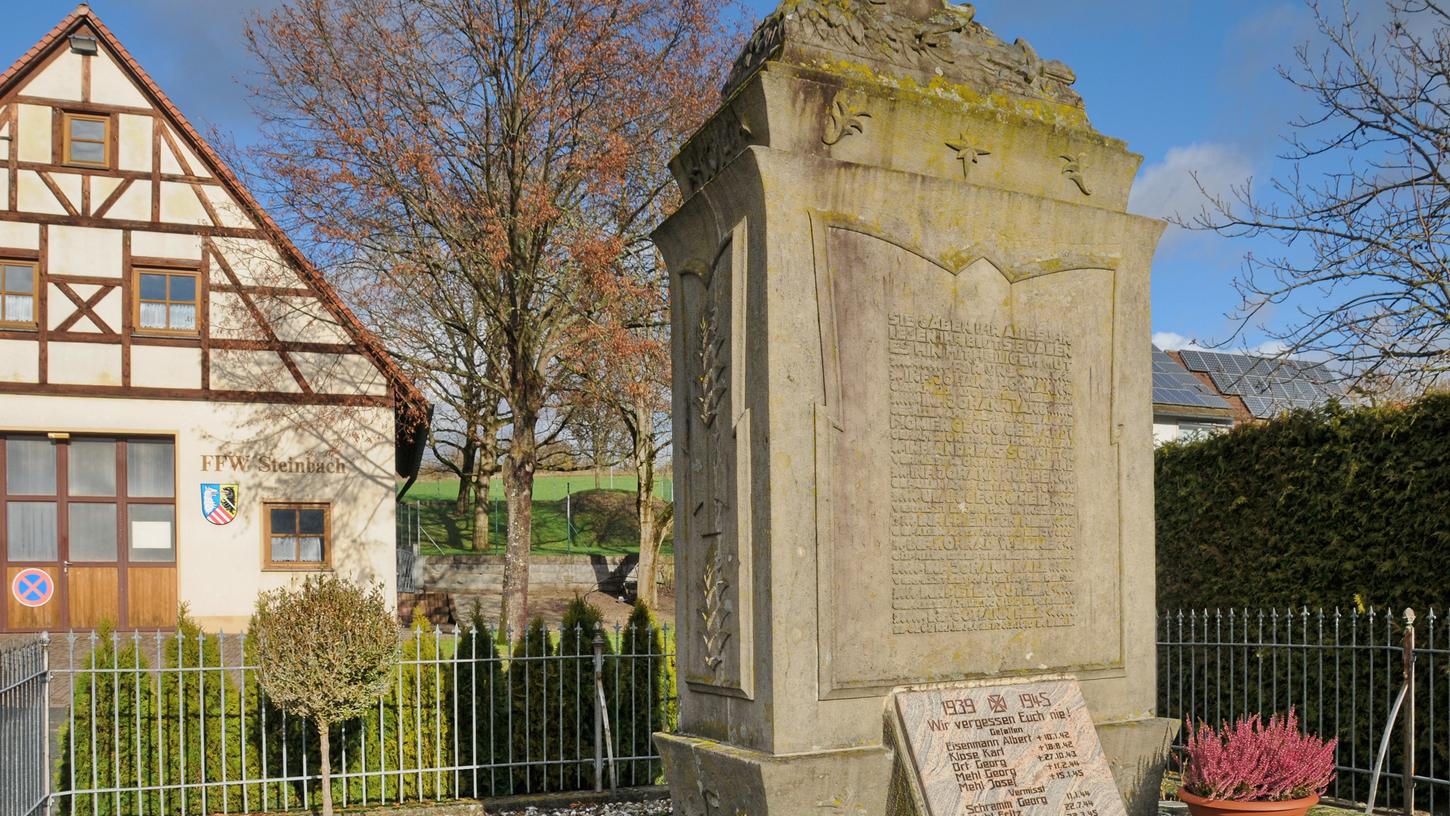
(114, 78)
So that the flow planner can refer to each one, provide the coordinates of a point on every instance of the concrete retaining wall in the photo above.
(484, 573)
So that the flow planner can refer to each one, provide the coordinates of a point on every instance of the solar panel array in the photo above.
(1172, 385)
(1268, 387)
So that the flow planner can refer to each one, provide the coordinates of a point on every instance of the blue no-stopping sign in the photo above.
(33, 587)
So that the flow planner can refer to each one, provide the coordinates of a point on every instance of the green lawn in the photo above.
(546, 488)
(603, 524)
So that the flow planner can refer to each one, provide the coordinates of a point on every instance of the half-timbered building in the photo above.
(188, 413)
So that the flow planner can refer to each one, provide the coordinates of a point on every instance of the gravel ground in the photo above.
(656, 808)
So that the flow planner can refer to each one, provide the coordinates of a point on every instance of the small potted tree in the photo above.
(325, 651)
(1254, 768)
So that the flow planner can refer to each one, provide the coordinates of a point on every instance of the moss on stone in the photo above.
(952, 96)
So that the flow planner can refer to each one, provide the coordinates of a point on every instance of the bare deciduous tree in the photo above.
(1364, 210)
(477, 146)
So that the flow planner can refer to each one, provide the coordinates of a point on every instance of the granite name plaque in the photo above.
(1004, 749)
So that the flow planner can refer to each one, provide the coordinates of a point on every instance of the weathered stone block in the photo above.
(912, 421)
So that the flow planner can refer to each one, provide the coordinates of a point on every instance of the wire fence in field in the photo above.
(1341, 670)
(179, 724)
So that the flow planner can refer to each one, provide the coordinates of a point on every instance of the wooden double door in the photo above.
(87, 532)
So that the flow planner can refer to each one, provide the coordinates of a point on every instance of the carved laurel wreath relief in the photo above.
(715, 608)
(1074, 167)
(711, 380)
(847, 115)
(711, 383)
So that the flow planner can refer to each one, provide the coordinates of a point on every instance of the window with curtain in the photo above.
(166, 302)
(298, 535)
(31, 531)
(17, 294)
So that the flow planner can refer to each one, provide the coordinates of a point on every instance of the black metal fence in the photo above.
(24, 730)
(1342, 670)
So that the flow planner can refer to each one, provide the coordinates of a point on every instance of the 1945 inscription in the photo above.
(983, 480)
(1006, 749)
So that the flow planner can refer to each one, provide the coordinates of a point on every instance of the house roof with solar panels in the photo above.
(1177, 392)
(1259, 388)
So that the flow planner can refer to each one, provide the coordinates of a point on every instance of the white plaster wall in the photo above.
(1164, 431)
(133, 138)
(165, 367)
(84, 251)
(179, 203)
(82, 364)
(34, 137)
(134, 204)
(166, 245)
(110, 86)
(59, 80)
(31, 194)
(15, 235)
(236, 370)
(19, 362)
(101, 189)
(219, 569)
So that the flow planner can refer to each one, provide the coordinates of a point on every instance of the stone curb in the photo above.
(542, 801)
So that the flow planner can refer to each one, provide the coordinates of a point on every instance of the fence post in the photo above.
(598, 712)
(1408, 721)
(45, 720)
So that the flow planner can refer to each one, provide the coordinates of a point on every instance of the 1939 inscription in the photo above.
(983, 479)
(1007, 749)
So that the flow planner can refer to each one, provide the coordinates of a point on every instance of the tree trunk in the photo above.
(519, 488)
(480, 511)
(326, 761)
(487, 466)
(644, 506)
(465, 470)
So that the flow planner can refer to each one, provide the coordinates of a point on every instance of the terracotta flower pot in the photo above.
(1199, 806)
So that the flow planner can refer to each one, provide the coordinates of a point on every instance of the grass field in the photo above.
(603, 520)
(547, 487)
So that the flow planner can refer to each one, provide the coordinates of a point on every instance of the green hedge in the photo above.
(1329, 507)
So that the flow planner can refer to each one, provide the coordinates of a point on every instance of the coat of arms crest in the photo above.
(219, 502)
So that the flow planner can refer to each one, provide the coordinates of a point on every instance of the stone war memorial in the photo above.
(913, 435)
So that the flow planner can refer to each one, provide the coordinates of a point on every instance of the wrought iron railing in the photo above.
(178, 723)
(23, 729)
(1341, 670)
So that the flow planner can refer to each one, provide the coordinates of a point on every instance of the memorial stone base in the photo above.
(854, 782)
(912, 407)
(1137, 753)
(704, 775)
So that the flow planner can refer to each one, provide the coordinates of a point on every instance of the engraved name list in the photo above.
(1007, 749)
(983, 480)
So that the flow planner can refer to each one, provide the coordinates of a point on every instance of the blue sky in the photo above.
(1191, 85)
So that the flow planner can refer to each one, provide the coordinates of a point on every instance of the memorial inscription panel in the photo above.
(967, 473)
(1006, 749)
(983, 480)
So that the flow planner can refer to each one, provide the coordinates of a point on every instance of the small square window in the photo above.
(166, 302)
(86, 140)
(298, 536)
(17, 294)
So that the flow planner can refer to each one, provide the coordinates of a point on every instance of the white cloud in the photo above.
(1173, 341)
(1272, 348)
(1167, 188)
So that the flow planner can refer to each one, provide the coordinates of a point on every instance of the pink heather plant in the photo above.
(1253, 762)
